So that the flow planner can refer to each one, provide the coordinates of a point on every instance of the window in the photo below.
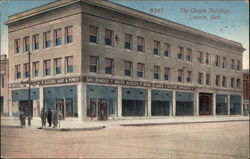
(140, 70)
(233, 64)
(238, 65)
(35, 69)
(189, 76)
(167, 73)
(26, 44)
(93, 34)
(128, 68)
(189, 54)
(207, 60)
(238, 83)
(58, 37)
(207, 79)
(128, 42)
(217, 61)
(109, 37)
(180, 52)
(46, 39)
(36, 42)
(18, 71)
(109, 65)
(200, 78)
(26, 70)
(224, 81)
(2, 80)
(166, 50)
(200, 57)
(93, 64)
(156, 47)
(217, 80)
(180, 75)
(69, 64)
(46, 65)
(17, 46)
(140, 44)
(69, 34)
(58, 66)
(156, 72)
(232, 82)
(224, 62)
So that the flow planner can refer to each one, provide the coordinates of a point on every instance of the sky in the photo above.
(228, 19)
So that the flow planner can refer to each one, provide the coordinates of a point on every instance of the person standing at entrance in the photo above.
(49, 117)
(22, 119)
(55, 118)
(43, 117)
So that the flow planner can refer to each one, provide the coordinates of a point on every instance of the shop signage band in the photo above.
(101, 81)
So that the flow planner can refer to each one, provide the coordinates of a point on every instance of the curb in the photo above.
(73, 129)
(10, 126)
(175, 123)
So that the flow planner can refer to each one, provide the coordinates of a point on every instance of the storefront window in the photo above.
(221, 105)
(184, 103)
(235, 105)
(161, 104)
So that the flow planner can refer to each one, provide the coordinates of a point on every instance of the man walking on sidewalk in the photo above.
(22, 119)
(43, 117)
(49, 117)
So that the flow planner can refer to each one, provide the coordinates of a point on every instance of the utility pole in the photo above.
(29, 82)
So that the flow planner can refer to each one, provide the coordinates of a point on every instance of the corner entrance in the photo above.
(205, 104)
(98, 108)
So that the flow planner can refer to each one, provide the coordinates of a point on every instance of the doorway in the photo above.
(205, 104)
(60, 107)
(98, 108)
(26, 108)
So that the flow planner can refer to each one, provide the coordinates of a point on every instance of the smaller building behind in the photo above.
(4, 89)
(246, 91)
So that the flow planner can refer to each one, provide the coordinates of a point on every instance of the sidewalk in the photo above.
(68, 125)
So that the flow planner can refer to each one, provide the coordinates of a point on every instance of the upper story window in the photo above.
(156, 47)
(109, 66)
(238, 83)
(128, 68)
(224, 81)
(26, 70)
(47, 41)
(109, 37)
(200, 78)
(140, 44)
(208, 79)
(180, 53)
(166, 50)
(26, 43)
(46, 67)
(69, 64)
(93, 34)
(207, 60)
(224, 62)
(217, 80)
(140, 70)
(17, 46)
(180, 75)
(217, 61)
(69, 34)
(156, 72)
(233, 64)
(36, 42)
(35, 69)
(232, 82)
(189, 54)
(128, 42)
(93, 64)
(167, 71)
(189, 76)
(58, 66)
(58, 37)
(238, 65)
(17, 71)
(200, 57)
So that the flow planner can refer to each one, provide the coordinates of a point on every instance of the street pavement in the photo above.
(207, 140)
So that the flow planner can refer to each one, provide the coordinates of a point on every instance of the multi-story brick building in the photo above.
(97, 59)
(4, 89)
(246, 91)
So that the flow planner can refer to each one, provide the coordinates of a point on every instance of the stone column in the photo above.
(174, 103)
(149, 102)
(80, 100)
(242, 101)
(10, 103)
(41, 98)
(84, 101)
(196, 103)
(214, 104)
(228, 104)
(119, 101)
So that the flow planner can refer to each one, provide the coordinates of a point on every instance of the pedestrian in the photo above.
(22, 119)
(55, 118)
(43, 117)
(49, 117)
